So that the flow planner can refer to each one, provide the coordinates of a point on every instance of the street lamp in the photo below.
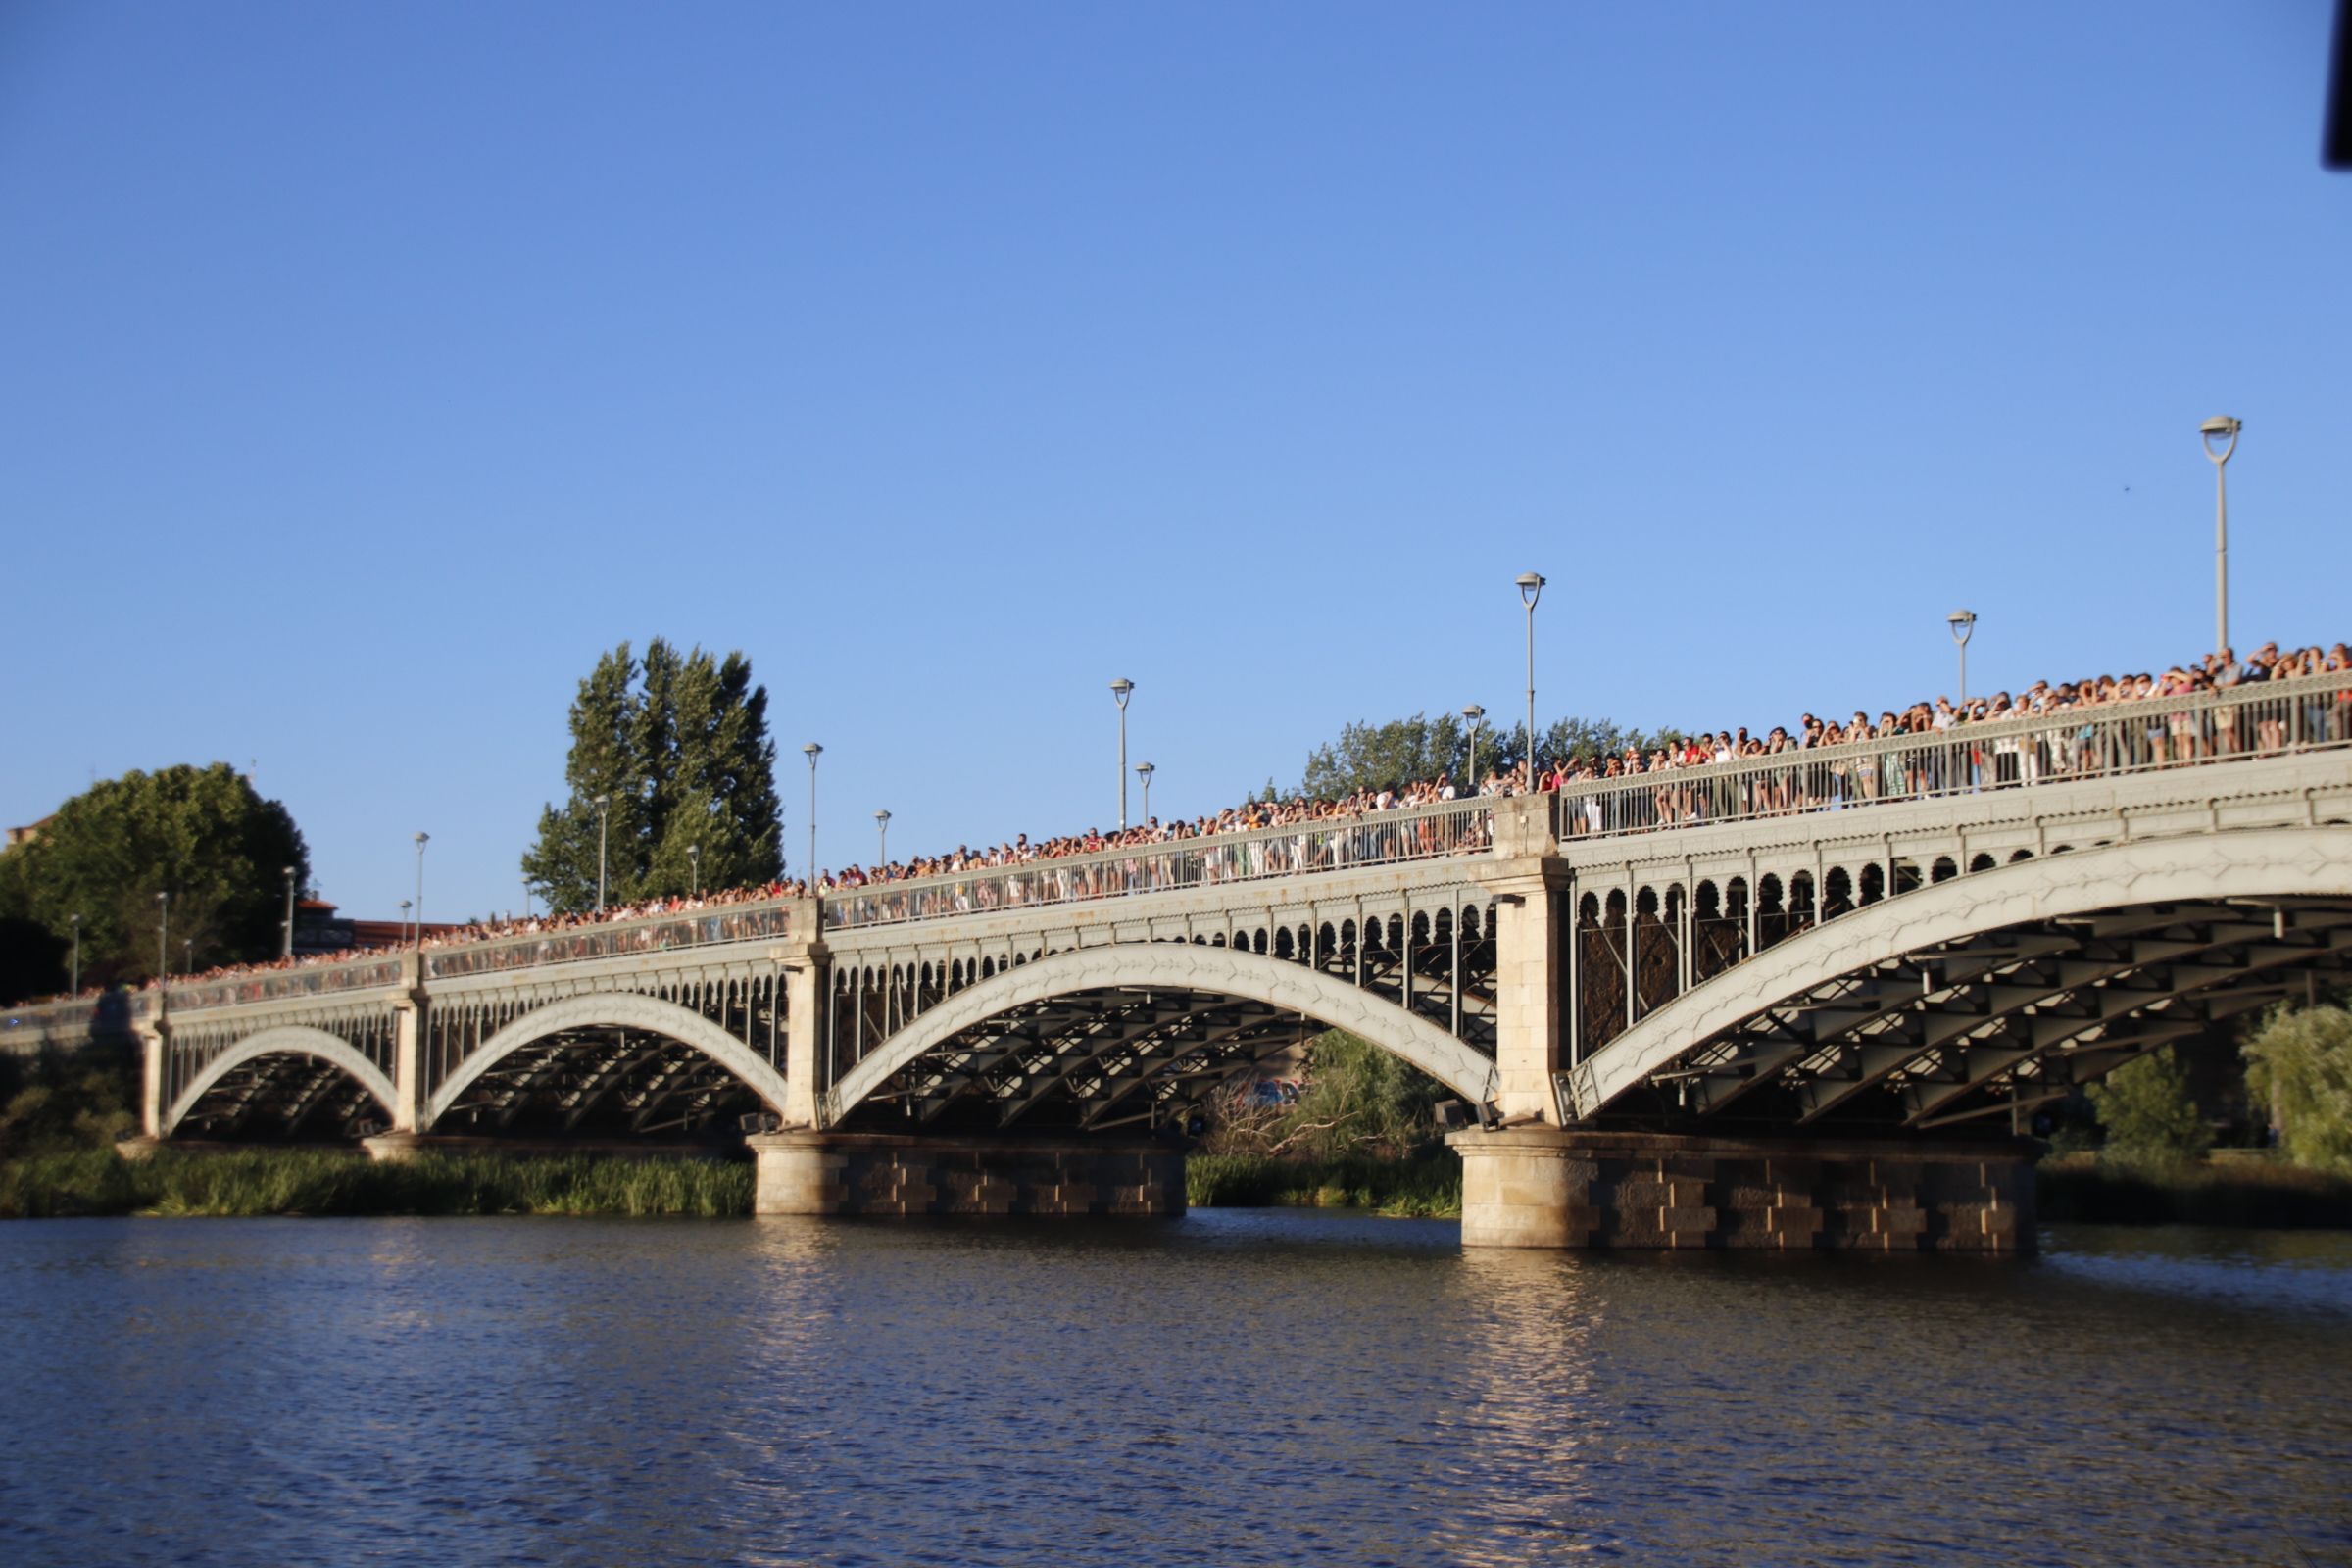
(693, 858)
(286, 950)
(604, 820)
(881, 840)
(1121, 690)
(2223, 429)
(1473, 712)
(1964, 626)
(1144, 772)
(404, 920)
(813, 752)
(187, 955)
(420, 843)
(1531, 588)
(74, 988)
(163, 937)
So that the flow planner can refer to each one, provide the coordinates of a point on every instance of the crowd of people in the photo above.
(2188, 714)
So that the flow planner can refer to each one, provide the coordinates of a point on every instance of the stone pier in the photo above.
(886, 1174)
(1550, 1186)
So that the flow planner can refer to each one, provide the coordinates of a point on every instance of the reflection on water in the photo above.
(1236, 1387)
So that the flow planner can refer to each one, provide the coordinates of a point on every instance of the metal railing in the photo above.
(2113, 739)
(30, 1027)
(733, 922)
(371, 973)
(1379, 838)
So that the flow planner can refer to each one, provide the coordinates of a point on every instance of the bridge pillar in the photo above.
(155, 1039)
(807, 972)
(896, 1175)
(1529, 990)
(1547, 1186)
(409, 1021)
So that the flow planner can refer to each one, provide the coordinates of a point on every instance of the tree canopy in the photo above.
(678, 745)
(2148, 1110)
(1402, 751)
(201, 834)
(2299, 1064)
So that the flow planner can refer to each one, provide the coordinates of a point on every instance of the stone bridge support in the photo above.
(808, 975)
(1530, 1000)
(1552, 1187)
(154, 1039)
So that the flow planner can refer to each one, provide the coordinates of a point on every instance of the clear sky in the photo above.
(364, 370)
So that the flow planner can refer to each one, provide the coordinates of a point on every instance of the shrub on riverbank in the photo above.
(2253, 1193)
(302, 1181)
(1429, 1187)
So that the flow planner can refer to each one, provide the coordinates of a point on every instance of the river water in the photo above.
(1235, 1386)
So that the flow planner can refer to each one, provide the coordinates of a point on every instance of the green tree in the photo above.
(1404, 751)
(677, 745)
(1358, 1099)
(200, 834)
(2148, 1111)
(2299, 1064)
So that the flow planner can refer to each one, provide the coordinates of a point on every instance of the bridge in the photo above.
(1795, 1001)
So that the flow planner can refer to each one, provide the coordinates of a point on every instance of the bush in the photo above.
(318, 1180)
(2237, 1192)
(1428, 1186)
(1360, 1099)
(2150, 1116)
(2299, 1064)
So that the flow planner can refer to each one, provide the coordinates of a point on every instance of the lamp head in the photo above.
(1474, 712)
(1146, 768)
(812, 751)
(1531, 586)
(1963, 624)
(2222, 430)
(881, 816)
(422, 839)
(1121, 689)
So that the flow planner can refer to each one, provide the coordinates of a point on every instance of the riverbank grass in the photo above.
(1424, 1187)
(2243, 1192)
(305, 1181)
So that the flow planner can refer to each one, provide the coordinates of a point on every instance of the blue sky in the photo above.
(365, 369)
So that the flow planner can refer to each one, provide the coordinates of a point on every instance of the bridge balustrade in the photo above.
(2115, 739)
(271, 985)
(1417, 833)
(734, 922)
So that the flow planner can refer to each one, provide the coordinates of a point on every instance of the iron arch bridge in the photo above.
(1912, 941)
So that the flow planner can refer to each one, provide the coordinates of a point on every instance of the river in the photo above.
(1235, 1386)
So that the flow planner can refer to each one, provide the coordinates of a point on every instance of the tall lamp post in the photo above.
(881, 840)
(2224, 430)
(1121, 690)
(813, 752)
(404, 907)
(286, 948)
(74, 987)
(163, 937)
(422, 837)
(1964, 626)
(1474, 713)
(604, 820)
(188, 955)
(1530, 589)
(1144, 772)
(694, 859)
